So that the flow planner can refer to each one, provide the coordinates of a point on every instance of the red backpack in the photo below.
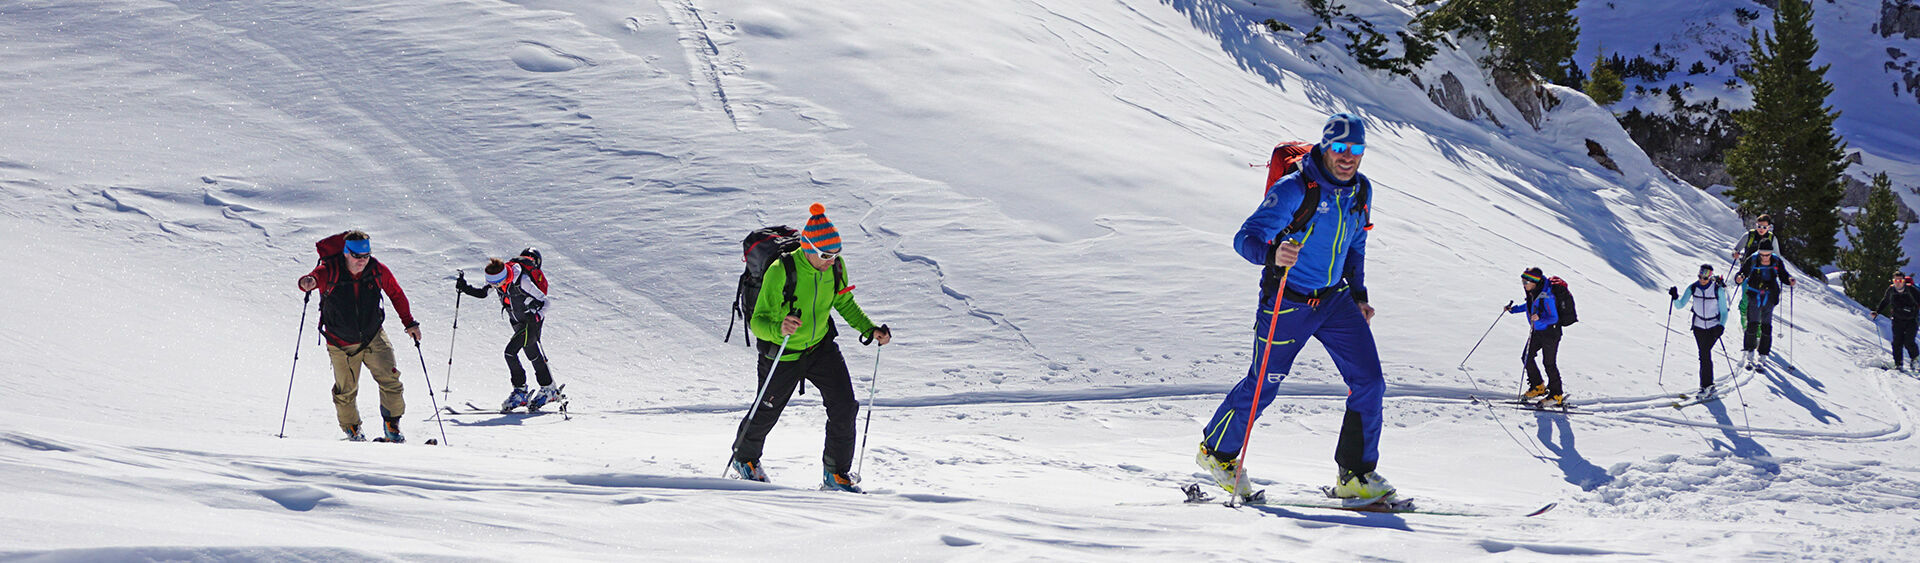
(1286, 160)
(527, 268)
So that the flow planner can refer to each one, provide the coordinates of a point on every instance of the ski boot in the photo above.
(843, 482)
(1226, 473)
(749, 470)
(515, 400)
(1369, 486)
(354, 435)
(546, 394)
(1555, 401)
(392, 428)
(1534, 392)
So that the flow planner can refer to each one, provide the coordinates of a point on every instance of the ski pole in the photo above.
(1483, 336)
(447, 382)
(1253, 408)
(436, 402)
(1666, 331)
(1735, 376)
(300, 334)
(873, 386)
(759, 395)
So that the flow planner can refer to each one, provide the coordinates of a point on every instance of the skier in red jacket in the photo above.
(351, 282)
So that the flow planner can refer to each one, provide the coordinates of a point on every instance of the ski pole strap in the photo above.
(868, 338)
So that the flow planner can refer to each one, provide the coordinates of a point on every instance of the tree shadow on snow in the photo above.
(1578, 470)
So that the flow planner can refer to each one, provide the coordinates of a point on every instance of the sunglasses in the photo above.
(359, 256)
(1355, 149)
(827, 255)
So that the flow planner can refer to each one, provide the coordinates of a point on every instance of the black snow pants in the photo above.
(1705, 339)
(526, 337)
(827, 369)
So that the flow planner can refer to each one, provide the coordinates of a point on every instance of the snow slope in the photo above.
(1037, 195)
(1866, 68)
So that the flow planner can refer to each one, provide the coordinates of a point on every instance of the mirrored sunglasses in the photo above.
(1355, 149)
(359, 256)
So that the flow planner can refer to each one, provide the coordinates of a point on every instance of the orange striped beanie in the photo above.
(819, 235)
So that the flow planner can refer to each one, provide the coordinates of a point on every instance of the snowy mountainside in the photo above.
(1870, 46)
(1038, 197)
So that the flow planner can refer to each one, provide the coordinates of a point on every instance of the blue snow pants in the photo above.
(1340, 327)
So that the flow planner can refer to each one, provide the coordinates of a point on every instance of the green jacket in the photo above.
(814, 295)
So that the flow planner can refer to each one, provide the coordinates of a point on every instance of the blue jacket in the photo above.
(1542, 302)
(1335, 239)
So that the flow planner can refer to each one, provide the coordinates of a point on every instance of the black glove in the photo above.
(1673, 293)
(460, 284)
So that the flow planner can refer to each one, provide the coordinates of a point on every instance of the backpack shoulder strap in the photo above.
(787, 288)
(839, 275)
(1309, 202)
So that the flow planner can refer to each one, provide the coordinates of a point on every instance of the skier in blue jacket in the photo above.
(1324, 296)
(1543, 340)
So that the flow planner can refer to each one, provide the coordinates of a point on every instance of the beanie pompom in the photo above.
(817, 209)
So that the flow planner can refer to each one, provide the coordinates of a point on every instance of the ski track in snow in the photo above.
(1038, 197)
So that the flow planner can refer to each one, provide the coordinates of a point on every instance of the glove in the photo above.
(1673, 293)
(460, 284)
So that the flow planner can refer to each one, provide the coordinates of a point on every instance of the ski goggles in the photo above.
(1355, 149)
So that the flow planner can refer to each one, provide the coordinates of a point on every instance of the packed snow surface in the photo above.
(1038, 196)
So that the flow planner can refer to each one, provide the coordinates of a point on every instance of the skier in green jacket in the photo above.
(796, 299)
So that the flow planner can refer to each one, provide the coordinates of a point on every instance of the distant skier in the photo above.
(794, 306)
(1324, 296)
(1543, 340)
(1760, 237)
(351, 281)
(1763, 278)
(1901, 305)
(1709, 298)
(522, 287)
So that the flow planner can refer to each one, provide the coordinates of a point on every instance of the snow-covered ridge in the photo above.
(1038, 197)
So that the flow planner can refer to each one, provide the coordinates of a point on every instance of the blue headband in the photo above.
(362, 246)
(495, 279)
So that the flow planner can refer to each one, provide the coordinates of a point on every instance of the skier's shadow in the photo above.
(1578, 470)
(1784, 388)
(1737, 443)
(1384, 520)
(502, 420)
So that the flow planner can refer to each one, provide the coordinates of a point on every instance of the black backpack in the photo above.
(759, 250)
(1563, 301)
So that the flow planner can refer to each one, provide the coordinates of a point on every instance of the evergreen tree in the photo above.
(1875, 240)
(1538, 36)
(1790, 161)
(1527, 36)
(1603, 84)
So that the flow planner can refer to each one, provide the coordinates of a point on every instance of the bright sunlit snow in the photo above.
(1039, 197)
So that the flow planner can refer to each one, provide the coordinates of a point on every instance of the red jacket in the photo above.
(350, 310)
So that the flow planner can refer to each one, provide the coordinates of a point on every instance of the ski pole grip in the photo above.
(871, 334)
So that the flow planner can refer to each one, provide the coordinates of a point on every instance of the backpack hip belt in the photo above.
(1312, 298)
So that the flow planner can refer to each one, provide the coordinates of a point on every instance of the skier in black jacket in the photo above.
(522, 288)
(1902, 306)
(1763, 279)
(1761, 237)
